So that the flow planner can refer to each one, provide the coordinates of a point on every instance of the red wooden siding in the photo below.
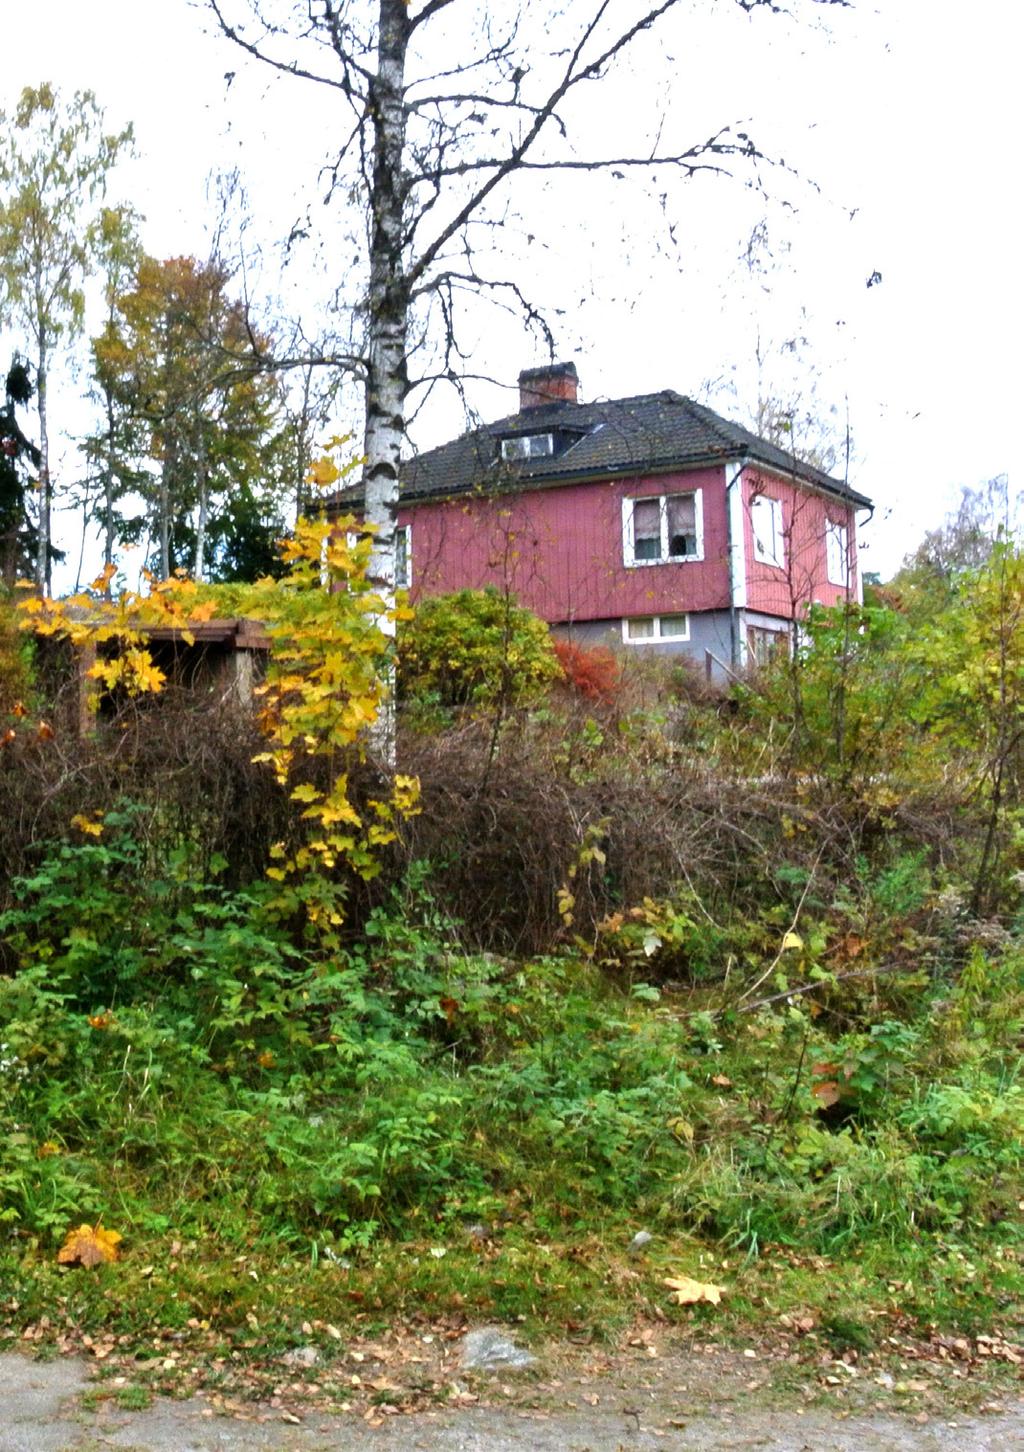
(803, 577)
(559, 550)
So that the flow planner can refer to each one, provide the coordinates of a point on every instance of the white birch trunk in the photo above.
(302, 450)
(388, 311)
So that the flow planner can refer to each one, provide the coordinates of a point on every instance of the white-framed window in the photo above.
(528, 446)
(766, 522)
(403, 553)
(403, 556)
(837, 554)
(643, 629)
(662, 529)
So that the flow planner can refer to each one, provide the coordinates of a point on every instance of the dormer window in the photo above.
(527, 446)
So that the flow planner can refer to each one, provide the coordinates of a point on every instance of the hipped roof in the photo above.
(647, 434)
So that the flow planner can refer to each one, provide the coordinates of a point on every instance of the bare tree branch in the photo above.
(571, 77)
(431, 8)
(251, 48)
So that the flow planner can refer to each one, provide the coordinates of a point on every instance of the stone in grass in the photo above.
(301, 1356)
(489, 1348)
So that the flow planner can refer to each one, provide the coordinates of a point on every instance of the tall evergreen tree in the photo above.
(18, 457)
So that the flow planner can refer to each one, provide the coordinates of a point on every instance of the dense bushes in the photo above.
(165, 1045)
(716, 965)
(474, 648)
(187, 766)
(594, 673)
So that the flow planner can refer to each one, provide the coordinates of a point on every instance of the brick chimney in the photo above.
(557, 383)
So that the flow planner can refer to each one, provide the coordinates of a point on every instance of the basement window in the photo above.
(645, 629)
(663, 529)
(764, 646)
(527, 446)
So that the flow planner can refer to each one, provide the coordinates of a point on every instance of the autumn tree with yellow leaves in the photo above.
(176, 360)
(322, 694)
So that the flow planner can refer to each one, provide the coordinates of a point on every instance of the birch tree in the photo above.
(55, 158)
(442, 105)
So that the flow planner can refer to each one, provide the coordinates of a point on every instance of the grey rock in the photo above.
(301, 1356)
(489, 1348)
(641, 1239)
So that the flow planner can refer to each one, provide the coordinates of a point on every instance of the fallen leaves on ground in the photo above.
(89, 1245)
(688, 1292)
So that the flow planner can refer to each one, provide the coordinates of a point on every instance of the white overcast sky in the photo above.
(902, 112)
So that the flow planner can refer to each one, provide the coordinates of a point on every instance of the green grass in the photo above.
(283, 1141)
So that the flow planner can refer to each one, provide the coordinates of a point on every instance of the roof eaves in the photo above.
(792, 468)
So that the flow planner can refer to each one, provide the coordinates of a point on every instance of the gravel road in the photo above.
(43, 1411)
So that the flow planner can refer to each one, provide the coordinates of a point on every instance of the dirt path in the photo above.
(54, 1406)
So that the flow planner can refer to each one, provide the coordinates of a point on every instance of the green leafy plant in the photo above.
(475, 648)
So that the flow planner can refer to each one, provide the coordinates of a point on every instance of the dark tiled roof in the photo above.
(650, 433)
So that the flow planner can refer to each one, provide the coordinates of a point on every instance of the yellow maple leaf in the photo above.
(323, 473)
(687, 1292)
(87, 825)
(89, 1245)
(103, 580)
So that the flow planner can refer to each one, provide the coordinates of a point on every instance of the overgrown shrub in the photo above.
(186, 764)
(474, 648)
(15, 666)
(707, 964)
(503, 831)
(163, 1042)
(594, 672)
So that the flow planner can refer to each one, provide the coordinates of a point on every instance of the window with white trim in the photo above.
(767, 525)
(528, 446)
(837, 554)
(403, 556)
(662, 529)
(643, 629)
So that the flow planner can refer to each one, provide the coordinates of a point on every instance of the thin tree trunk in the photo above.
(302, 450)
(108, 490)
(81, 543)
(164, 506)
(203, 510)
(43, 537)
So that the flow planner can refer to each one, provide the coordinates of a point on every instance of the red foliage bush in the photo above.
(593, 673)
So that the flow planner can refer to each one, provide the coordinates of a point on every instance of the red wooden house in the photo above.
(647, 521)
